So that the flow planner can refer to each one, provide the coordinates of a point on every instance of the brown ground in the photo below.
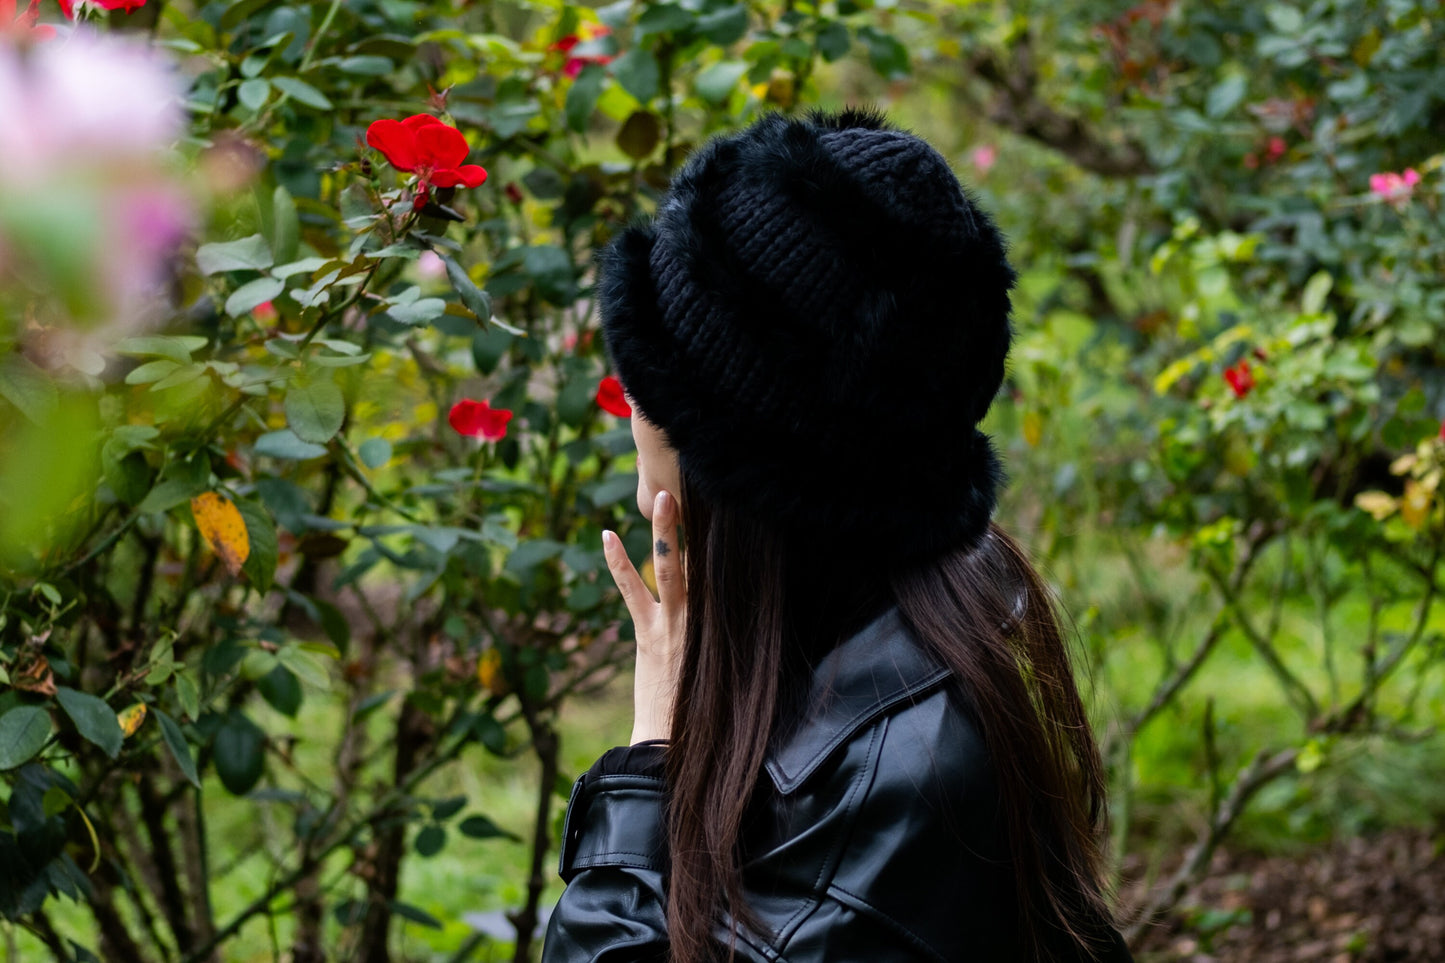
(1379, 899)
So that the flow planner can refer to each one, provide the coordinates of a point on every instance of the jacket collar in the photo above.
(880, 666)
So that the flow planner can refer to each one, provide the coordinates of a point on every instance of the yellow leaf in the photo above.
(649, 575)
(1172, 374)
(131, 718)
(489, 672)
(1415, 505)
(1403, 464)
(1033, 428)
(223, 528)
(1378, 504)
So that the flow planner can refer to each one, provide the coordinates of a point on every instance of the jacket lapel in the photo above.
(880, 666)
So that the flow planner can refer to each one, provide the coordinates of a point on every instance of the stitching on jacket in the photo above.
(600, 783)
(643, 861)
(866, 772)
(856, 902)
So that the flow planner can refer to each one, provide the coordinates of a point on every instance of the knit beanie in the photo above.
(817, 318)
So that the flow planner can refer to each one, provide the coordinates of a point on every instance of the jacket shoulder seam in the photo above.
(787, 783)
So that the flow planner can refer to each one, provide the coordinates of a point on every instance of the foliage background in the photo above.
(1222, 425)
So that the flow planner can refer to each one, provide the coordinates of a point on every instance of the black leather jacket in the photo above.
(879, 839)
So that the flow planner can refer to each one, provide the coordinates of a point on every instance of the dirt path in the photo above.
(1379, 899)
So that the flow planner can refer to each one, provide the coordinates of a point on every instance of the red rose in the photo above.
(26, 22)
(478, 419)
(611, 399)
(1240, 379)
(574, 64)
(425, 146)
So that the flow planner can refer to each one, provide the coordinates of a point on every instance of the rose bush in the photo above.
(341, 486)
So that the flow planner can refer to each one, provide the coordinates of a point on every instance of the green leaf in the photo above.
(550, 267)
(253, 93)
(188, 694)
(582, 97)
(612, 490)
(716, 82)
(367, 66)
(663, 18)
(260, 565)
(178, 348)
(248, 296)
(308, 668)
(23, 731)
(129, 476)
(422, 311)
(240, 752)
(374, 452)
(408, 912)
(491, 735)
(725, 26)
(248, 254)
(488, 347)
(833, 40)
(93, 719)
(447, 808)
(28, 388)
(476, 300)
(152, 371)
(306, 265)
(315, 409)
(300, 90)
(281, 690)
(1226, 95)
(1315, 292)
(285, 444)
(1285, 19)
(431, 839)
(480, 827)
(532, 553)
(885, 52)
(183, 375)
(286, 238)
(638, 73)
(180, 749)
(170, 493)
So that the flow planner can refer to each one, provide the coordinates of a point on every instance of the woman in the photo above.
(857, 732)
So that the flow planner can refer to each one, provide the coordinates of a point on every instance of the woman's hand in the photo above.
(659, 622)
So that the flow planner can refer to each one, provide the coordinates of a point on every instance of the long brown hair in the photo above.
(762, 606)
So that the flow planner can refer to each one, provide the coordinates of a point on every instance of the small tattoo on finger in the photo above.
(662, 548)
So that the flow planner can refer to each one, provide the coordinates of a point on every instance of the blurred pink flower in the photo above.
(431, 266)
(1393, 187)
(94, 100)
(984, 158)
(93, 208)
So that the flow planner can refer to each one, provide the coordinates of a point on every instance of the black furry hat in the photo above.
(818, 318)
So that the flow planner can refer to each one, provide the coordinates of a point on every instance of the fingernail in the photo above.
(664, 501)
(608, 537)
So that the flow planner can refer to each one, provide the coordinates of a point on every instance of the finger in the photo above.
(634, 591)
(666, 557)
